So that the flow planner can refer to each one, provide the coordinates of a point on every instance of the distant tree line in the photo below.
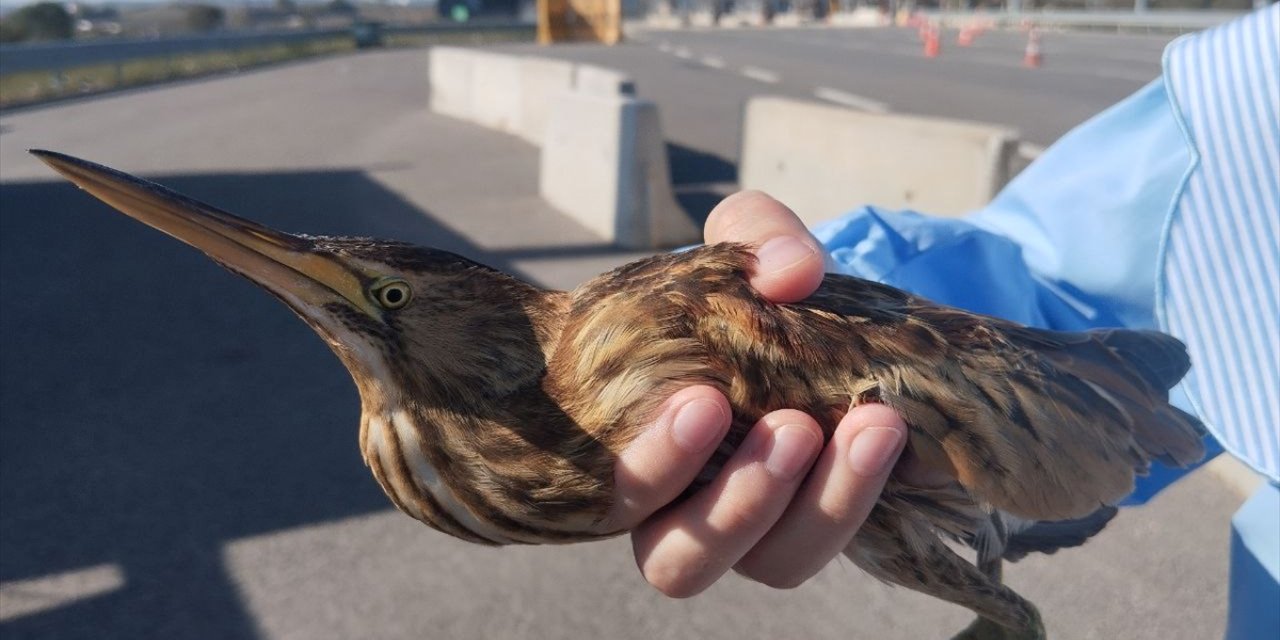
(205, 17)
(52, 21)
(40, 21)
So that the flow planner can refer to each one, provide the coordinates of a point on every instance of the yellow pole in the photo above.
(544, 22)
(613, 34)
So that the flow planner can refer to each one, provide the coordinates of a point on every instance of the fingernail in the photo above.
(873, 450)
(793, 449)
(783, 252)
(697, 424)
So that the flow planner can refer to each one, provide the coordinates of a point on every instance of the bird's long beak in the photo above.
(286, 264)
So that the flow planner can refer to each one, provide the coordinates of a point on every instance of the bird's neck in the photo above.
(479, 475)
(467, 440)
(496, 341)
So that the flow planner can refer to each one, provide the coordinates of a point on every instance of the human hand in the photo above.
(784, 505)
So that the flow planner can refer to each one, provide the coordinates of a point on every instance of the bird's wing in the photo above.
(1044, 425)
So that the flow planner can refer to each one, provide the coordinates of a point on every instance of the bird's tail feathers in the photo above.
(1159, 358)
(1133, 372)
(1174, 437)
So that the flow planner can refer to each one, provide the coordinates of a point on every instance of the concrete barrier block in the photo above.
(790, 19)
(601, 81)
(823, 160)
(861, 17)
(495, 91)
(449, 77)
(604, 164)
(702, 18)
(660, 21)
(541, 80)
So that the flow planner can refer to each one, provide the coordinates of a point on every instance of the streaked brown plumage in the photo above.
(493, 410)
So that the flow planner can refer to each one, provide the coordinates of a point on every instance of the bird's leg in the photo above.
(927, 565)
(986, 629)
(993, 568)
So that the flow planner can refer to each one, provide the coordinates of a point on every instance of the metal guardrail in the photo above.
(53, 57)
(1153, 20)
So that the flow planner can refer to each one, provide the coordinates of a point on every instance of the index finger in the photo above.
(654, 469)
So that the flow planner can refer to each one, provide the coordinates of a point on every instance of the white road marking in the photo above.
(683, 53)
(760, 75)
(664, 47)
(713, 62)
(851, 100)
(29, 596)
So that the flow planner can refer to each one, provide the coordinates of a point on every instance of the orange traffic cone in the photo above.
(966, 35)
(932, 44)
(1032, 58)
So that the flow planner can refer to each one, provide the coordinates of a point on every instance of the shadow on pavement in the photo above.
(691, 166)
(558, 251)
(156, 407)
(700, 180)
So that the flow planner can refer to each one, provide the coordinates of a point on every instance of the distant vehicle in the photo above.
(367, 34)
(463, 10)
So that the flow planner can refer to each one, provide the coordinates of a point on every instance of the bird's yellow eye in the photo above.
(392, 293)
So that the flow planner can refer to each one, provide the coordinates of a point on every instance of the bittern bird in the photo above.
(493, 409)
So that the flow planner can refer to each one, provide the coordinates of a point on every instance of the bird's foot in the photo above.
(985, 629)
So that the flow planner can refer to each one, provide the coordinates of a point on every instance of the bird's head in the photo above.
(432, 339)
(404, 319)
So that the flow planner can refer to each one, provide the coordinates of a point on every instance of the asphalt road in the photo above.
(178, 453)
(701, 78)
